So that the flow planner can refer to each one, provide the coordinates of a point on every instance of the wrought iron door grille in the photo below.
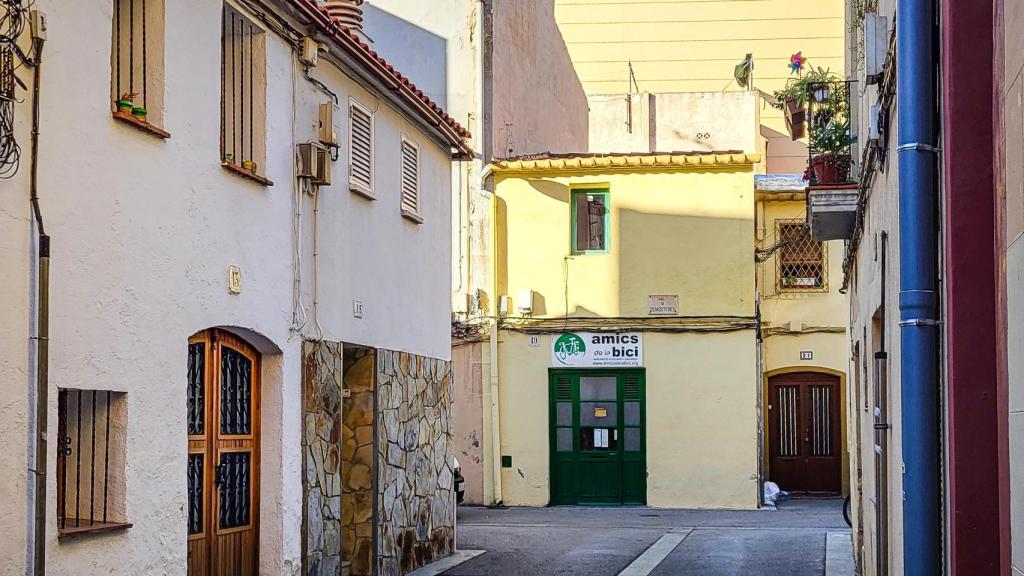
(235, 393)
(233, 475)
(801, 263)
(84, 472)
(789, 420)
(195, 493)
(196, 388)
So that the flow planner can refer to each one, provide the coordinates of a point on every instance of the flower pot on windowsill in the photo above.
(796, 118)
(140, 113)
(229, 159)
(124, 107)
(249, 165)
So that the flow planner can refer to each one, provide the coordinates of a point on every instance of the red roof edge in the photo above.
(427, 109)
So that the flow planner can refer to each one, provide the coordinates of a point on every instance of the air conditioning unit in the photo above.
(314, 163)
(873, 129)
(876, 46)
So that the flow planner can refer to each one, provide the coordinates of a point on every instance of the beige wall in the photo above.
(468, 443)
(701, 420)
(1013, 102)
(667, 122)
(685, 232)
(865, 296)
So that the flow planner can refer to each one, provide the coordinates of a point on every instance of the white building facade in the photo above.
(208, 305)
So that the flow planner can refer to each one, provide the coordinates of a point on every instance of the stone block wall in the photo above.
(416, 499)
(338, 460)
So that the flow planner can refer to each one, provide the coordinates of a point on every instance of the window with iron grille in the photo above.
(410, 180)
(90, 461)
(802, 263)
(137, 60)
(590, 221)
(243, 93)
(360, 149)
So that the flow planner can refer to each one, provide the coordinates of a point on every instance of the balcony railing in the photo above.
(831, 159)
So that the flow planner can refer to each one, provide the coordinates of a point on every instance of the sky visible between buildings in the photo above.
(694, 45)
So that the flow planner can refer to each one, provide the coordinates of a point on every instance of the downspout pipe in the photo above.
(918, 302)
(42, 333)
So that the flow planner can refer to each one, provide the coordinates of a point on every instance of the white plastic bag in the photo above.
(771, 493)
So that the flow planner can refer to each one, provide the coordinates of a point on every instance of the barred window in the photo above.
(137, 61)
(243, 94)
(802, 262)
(90, 461)
(410, 180)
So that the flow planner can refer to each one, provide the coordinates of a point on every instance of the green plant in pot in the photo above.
(124, 103)
(792, 99)
(140, 112)
(831, 140)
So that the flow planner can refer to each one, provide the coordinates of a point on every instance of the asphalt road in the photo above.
(790, 541)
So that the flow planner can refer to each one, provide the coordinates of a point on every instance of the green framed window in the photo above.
(590, 212)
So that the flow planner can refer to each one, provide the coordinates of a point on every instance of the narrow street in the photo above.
(790, 541)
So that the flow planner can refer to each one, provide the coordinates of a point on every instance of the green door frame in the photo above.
(565, 466)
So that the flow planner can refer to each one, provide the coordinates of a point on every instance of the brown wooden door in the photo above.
(223, 455)
(804, 433)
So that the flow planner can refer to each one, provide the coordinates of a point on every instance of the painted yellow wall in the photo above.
(688, 46)
(687, 232)
(701, 425)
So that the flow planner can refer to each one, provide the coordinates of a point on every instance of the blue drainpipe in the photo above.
(919, 377)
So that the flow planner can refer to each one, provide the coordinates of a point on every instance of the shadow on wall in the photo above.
(706, 258)
(419, 54)
(783, 155)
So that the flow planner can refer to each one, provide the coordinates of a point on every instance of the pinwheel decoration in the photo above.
(796, 63)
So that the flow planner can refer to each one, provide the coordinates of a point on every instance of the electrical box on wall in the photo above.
(326, 125)
(461, 302)
(310, 51)
(524, 301)
(504, 305)
(876, 46)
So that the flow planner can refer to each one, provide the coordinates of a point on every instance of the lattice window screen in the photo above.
(801, 263)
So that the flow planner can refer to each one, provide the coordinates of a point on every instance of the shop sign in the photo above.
(597, 350)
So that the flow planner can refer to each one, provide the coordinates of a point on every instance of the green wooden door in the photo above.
(597, 437)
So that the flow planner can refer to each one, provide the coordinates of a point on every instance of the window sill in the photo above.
(141, 125)
(239, 171)
(412, 216)
(362, 190)
(95, 528)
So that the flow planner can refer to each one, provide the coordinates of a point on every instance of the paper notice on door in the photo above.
(600, 438)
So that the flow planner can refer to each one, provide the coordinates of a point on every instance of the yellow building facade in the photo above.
(680, 227)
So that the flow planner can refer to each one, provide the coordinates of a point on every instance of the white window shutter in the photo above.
(410, 177)
(360, 148)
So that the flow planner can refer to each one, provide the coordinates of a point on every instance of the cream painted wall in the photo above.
(696, 458)
(1013, 118)
(865, 293)
(143, 233)
(684, 232)
(689, 121)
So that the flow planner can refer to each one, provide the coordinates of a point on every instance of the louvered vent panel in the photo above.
(563, 389)
(361, 147)
(631, 390)
(410, 178)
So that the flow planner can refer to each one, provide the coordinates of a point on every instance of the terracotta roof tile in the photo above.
(430, 111)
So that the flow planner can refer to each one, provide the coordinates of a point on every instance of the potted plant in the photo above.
(831, 164)
(249, 165)
(140, 112)
(124, 103)
(792, 99)
(229, 159)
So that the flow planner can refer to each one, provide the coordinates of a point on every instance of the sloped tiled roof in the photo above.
(428, 110)
(626, 161)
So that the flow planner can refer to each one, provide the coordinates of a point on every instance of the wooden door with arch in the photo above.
(223, 455)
